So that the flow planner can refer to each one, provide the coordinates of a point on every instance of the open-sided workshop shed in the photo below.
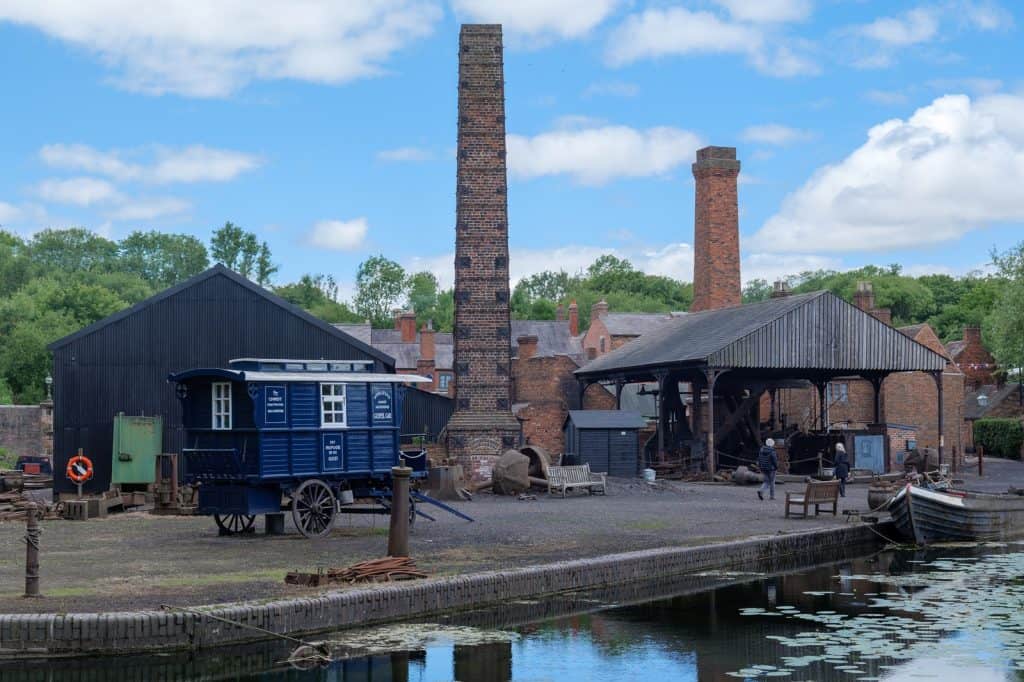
(121, 363)
(607, 440)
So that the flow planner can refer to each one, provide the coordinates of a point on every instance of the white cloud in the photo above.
(403, 154)
(952, 167)
(886, 97)
(538, 18)
(677, 31)
(165, 165)
(79, 191)
(768, 11)
(986, 16)
(8, 213)
(776, 266)
(918, 25)
(597, 155)
(775, 134)
(149, 208)
(339, 235)
(212, 49)
(612, 89)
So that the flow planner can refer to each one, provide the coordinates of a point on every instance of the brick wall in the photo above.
(716, 270)
(975, 361)
(27, 429)
(483, 425)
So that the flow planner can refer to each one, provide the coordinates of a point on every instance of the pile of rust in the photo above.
(14, 507)
(383, 570)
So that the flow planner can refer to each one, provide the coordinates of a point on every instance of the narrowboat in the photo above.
(924, 516)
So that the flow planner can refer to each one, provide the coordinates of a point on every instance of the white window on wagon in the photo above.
(332, 406)
(221, 405)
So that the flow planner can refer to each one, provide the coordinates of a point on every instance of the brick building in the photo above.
(424, 352)
(974, 360)
(609, 330)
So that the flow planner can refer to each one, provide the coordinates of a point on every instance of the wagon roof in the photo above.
(291, 377)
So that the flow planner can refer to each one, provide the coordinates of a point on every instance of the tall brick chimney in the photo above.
(407, 325)
(482, 426)
(427, 342)
(716, 239)
(574, 319)
(972, 337)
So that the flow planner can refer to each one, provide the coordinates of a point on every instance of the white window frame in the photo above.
(443, 379)
(220, 408)
(334, 395)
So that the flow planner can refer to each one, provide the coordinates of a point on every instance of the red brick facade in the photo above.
(716, 269)
(482, 426)
(974, 360)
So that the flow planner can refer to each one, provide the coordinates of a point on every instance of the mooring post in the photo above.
(981, 457)
(31, 550)
(398, 533)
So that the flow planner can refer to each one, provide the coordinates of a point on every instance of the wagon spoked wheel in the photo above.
(313, 508)
(233, 524)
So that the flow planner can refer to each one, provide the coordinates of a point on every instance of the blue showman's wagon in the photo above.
(267, 435)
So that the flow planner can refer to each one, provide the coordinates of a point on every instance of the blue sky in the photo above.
(869, 132)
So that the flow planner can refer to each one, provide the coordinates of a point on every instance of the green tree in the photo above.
(265, 268)
(318, 294)
(15, 265)
(1004, 327)
(62, 252)
(162, 259)
(380, 286)
(757, 290)
(242, 252)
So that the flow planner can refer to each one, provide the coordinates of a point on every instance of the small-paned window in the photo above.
(332, 406)
(838, 393)
(316, 366)
(443, 379)
(602, 344)
(341, 367)
(294, 367)
(221, 405)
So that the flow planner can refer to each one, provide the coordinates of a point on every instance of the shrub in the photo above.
(999, 437)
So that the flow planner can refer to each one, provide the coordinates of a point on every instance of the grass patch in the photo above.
(219, 578)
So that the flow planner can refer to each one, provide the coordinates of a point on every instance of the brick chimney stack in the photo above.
(574, 319)
(864, 297)
(716, 226)
(527, 346)
(482, 426)
(560, 313)
(598, 310)
(972, 337)
(427, 342)
(780, 289)
(407, 325)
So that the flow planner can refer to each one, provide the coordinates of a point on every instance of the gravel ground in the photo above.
(137, 561)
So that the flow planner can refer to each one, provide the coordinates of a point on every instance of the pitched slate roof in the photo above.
(219, 270)
(955, 348)
(553, 337)
(995, 394)
(807, 331)
(606, 419)
(635, 324)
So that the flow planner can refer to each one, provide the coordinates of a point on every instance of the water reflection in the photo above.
(855, 619)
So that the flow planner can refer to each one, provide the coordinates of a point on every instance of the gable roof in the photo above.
(553, 337)
(635, 324)
(219, 270)
(808, 331)
(955, 348)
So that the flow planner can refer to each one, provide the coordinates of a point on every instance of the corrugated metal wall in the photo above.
(827, 333)
(424, 412)
(123, 366)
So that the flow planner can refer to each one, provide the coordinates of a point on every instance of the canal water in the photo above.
(949, 613)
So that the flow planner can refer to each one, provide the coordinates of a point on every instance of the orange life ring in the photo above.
(79, 469)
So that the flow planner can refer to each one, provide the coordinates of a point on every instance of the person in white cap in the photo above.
(768, 463)
(842, 467)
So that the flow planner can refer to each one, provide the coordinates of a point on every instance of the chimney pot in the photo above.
(427, 348)
(780, 289)
(716, 239)
(864, 297)
(598, 310)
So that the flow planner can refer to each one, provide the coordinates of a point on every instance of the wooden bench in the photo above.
(577, 476)
(818, 493)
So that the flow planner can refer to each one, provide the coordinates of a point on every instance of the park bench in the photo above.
(818, 493)
(577, 476)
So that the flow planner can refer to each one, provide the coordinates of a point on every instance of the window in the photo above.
(332, 406)
(602, 344)
(838, 393)
(221, 405)
(443, 379)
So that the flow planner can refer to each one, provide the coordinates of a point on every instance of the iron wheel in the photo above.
(234, 524)
(313, 508)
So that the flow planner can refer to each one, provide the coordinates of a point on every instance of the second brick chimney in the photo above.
(598, 310)
(716, 227)
(527, 346)
(574, 319)
(427, 342)
(864, 298)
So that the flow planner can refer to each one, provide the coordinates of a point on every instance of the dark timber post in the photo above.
(662, 417)
(711, 375)
(822, 407)
(583, 385)
(937, 376)
(619, 383)
(772, 394)
(876, 384)
(398, 533)
(31, 550)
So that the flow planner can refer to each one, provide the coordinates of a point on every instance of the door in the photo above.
(870, 453)
(593, 449)
(622, 453)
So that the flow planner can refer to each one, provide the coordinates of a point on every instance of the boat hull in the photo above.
(925, 516)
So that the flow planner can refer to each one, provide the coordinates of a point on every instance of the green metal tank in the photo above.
(137, 442)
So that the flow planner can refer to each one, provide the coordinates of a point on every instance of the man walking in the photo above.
(768, 463)
(842, 467)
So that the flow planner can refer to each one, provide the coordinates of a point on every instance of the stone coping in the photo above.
(55, 635)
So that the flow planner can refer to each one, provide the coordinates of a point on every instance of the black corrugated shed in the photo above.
(121, 363)
(607, 440)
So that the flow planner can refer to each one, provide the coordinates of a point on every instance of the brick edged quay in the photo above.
(56, 635)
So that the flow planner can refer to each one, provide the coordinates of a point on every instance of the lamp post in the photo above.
(49, 386)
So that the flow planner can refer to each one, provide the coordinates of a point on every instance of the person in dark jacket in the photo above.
(768, 463)
(842, 467)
